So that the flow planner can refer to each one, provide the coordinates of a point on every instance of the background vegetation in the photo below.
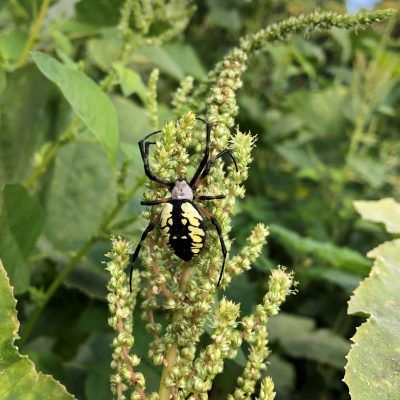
(324, 108)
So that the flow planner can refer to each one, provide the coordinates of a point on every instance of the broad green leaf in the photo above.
(81, 190)
(11, 45)
(130, 81)
(105, 51)
(160, 57)
(371, 171)
(12, 257)
(330, 102)
(3, 81)
(98, 12)
(24, 215)
(386, 211)
(298, 338)
(283, 374)
(86, 98)
(189, 61)
(18, 378)
(372, 371)
(21, 136)
(338, 257)
(21, 222)
(224, 16)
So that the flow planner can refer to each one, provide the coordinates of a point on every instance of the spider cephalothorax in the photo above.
(181, 220)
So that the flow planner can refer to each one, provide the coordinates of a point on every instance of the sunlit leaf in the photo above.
(86, 98)
(372, 371)
(18, 378)
(339, 257)
(386, 211)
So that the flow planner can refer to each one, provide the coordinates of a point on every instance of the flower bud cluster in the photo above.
(267, 389)
(247, 255)
(121, 304)
(226, 340)
(151, 101)
(180, 99)
(255, 332)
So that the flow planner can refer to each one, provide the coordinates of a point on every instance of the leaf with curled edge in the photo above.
(18, 376)
(373, 367)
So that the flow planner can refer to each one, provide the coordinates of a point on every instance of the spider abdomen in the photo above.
(183, 228)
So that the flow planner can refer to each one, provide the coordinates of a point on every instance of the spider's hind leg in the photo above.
(134, 256)
(217, 226)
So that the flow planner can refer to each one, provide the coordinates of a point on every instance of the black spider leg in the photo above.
(217, 226)
(223, 247)
(204, 160)
(216, 197)
(144, 151)
(210, 163)
(155, 202)
(149, 228)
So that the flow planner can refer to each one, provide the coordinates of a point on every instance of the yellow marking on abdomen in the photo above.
(166, 213)
(195, 231)
(190, 213)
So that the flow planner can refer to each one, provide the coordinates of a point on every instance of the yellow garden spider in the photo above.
(181, 219)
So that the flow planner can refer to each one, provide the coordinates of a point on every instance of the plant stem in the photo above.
(84, 249)
(173, 349)
(53, 288)
(64, 138)
(34, 32)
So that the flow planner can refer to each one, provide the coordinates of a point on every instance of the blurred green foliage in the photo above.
(325, 110)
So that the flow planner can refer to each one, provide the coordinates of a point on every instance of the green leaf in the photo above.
(160, 57)
(11, 45)
(189, 61)
(371, 171)
(98, 12)
(75, 207)
(341, 258)
(386, 211)
(372, 371)
(3, 81)
(86, 98)
(11, 256)
(130, 81)
(18, 378)
(283, 374)
(21, 224)
(298, 338)
(21, 137)
(24, 215)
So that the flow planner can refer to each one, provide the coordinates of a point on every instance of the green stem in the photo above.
(64, 138)
(172, 351)
(34, 32)
(104, 227)
(31, 323)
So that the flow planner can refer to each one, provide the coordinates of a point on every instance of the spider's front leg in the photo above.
(144, 152)
(209, 164)
(134, 256)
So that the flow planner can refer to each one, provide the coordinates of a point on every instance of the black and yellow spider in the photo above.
(181, 219)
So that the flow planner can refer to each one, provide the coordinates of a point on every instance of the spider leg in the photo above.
(216, 197)
(149, 228)
(155, 202)
(217, 226)
(144, 151)
(204, 160)
(210, 163)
